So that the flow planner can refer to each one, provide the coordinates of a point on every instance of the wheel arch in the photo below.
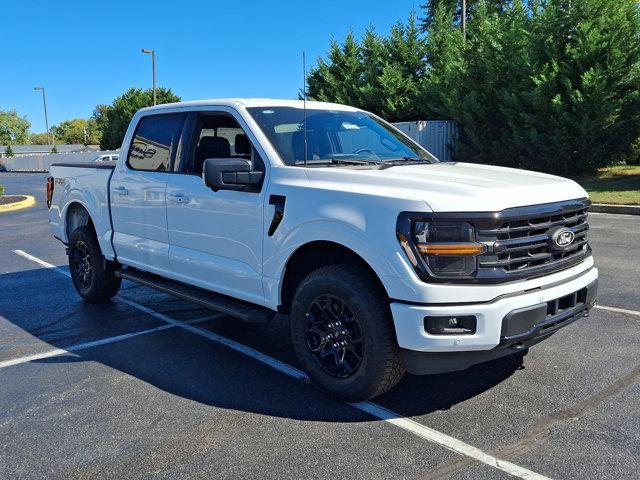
(313, 255)
(77, 215)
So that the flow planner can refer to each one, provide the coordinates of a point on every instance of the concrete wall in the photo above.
(41, 163)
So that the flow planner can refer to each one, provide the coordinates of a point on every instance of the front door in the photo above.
(216, 237)
(137, 191)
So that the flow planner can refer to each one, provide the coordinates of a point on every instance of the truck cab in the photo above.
(384, 259)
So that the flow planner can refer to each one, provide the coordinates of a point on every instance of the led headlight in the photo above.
(443, 249)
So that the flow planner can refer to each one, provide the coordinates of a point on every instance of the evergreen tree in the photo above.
(8, 152)
(550, 85)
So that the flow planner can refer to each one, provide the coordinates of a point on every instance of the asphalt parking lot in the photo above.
(151, 386)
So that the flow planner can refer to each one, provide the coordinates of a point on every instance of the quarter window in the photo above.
(155, 142)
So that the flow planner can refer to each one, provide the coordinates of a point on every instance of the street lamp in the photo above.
(153, 70)
(46, 120)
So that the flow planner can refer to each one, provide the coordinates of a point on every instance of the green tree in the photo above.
(550, 85)
(382, 74)
(39, 138)
(112, 120)
(8, 152)
(553, 87)
(453, 9)
(339, 79)
(73, 131)
(13, 128)
(54, 149)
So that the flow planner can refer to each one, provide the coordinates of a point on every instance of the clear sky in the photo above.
(87, 52)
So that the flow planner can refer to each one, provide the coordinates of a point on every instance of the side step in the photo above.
(245, 311)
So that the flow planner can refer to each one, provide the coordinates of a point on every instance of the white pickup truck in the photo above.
(384, 259)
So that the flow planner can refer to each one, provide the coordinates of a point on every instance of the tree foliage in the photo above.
(112, 120)
(13, 128)
(39, 138)
(453, 10)
(381, 74)
(8, 152)
(551, 85)
(73, 131)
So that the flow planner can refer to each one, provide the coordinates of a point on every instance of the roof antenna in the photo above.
(304, 104)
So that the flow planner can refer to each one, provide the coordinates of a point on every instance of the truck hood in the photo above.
(452, 187)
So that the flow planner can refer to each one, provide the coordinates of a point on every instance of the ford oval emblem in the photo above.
(561, 238)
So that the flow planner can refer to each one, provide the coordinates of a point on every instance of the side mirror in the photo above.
(229, 174)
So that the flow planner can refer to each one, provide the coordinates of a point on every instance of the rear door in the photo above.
(137, 191)
(216, 237)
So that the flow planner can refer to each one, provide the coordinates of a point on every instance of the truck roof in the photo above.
(252, 102)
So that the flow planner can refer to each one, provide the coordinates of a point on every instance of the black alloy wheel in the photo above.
(334, 336)
(80, 258)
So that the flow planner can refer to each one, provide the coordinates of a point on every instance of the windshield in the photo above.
(335, 136)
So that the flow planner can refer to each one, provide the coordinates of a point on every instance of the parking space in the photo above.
(150, 385)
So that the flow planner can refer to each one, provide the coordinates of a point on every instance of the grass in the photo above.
(617, 185)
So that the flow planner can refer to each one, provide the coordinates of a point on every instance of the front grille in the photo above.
(520, 246)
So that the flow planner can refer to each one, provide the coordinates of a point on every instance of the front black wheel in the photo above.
(342, 333)
(93, 276)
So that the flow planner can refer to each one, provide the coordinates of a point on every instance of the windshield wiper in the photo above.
(406, 161)
(340, 161)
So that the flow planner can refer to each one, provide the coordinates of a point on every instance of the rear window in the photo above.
(155, 142)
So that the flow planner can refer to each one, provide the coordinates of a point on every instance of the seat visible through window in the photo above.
(218, 135)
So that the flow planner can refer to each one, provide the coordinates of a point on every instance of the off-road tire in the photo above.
(380, 368)
(102, 284)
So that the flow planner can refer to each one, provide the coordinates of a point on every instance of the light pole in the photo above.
(153, 70)
(464, 19)
(46, 120)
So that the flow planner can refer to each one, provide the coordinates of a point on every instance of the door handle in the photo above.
(177, 198)
(121, 190)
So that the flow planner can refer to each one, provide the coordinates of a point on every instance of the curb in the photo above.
(26, 203)
(620, 209)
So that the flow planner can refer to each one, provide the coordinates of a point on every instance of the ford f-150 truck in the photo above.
(383, 259)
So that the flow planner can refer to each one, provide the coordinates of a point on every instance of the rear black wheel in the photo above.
(342, 333)
(93, 276)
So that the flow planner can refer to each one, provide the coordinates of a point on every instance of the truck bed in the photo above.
(83, 184)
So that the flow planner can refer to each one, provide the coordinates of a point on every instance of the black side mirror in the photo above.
(229, 174)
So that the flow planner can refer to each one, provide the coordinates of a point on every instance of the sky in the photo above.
(87, 52)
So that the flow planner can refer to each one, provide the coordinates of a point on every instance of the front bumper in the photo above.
(504, 326)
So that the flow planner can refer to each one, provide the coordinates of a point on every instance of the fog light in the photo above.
(450, 325)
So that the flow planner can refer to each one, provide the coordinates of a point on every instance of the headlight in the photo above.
(441, 249)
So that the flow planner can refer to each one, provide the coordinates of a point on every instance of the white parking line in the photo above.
(118, 298)
(371, 408)
(95, 343)
(618, 310)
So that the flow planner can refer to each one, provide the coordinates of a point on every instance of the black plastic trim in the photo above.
(110, 165)
(543, 325)
(278, 201)
(233, 307)
(432, 363)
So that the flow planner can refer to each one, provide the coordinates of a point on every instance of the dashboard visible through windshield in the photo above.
(335, 137)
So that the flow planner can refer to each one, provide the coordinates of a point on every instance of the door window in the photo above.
(155, 142)
(218, 135)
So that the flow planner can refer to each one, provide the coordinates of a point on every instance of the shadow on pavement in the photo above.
(40, 306)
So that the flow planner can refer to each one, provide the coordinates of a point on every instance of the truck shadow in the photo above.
(39, 306)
